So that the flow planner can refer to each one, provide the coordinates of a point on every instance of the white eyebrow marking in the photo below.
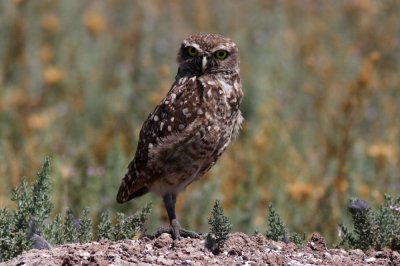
(224, 46)
(192, 44)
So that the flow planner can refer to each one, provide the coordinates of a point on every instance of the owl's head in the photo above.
(204, 53)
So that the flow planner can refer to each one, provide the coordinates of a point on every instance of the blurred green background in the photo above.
(321, 107)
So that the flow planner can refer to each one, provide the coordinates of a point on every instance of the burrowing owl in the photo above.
(192, 126)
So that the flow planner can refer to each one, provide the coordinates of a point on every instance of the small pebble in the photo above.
(371, 259)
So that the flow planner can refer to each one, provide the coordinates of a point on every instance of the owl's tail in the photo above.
(129, 189)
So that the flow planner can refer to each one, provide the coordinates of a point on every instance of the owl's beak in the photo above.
(203, 64)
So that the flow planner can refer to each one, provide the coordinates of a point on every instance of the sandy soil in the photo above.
(240, 249)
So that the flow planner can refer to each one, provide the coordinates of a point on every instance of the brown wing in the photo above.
(170, 124)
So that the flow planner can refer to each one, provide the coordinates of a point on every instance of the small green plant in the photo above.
(220, 227)
(278, 231)
(74, 230)
(70, 229)
(373, 228)
(104, 229)
(33, 206)
(127, 227)
(29, 224)
(54, 231)
(85, 229)
(138, 219)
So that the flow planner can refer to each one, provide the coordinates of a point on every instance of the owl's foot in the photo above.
(177, 235)
(176, 231)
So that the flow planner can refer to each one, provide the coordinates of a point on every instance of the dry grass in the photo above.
(322, 105)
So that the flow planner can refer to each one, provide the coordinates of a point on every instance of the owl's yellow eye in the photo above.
(192, 51)
(221, 54)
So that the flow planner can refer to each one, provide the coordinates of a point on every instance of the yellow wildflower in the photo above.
(50, 22)
(52, 75)
(94, 22)
(300, 191)
(382, 151)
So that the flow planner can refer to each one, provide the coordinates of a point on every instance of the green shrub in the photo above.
(12, 240)
(85, 229)
(373, 228)
(278, 231)
(33, 206)
(220, 227)
(29, 224)
(104, 229)
(127, 227)
(69, 229)
(54, 231)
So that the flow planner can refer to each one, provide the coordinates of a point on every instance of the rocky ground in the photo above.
(240, 249)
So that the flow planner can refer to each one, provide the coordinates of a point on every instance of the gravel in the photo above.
(240, 249)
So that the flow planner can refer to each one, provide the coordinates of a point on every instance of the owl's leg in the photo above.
(176, 230)
(169, 202)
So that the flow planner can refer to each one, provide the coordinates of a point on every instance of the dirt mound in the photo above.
(240, 249)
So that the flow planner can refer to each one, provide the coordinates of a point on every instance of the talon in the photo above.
(176, 231)
(175, 228)
(191, 234)
(162, 230)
